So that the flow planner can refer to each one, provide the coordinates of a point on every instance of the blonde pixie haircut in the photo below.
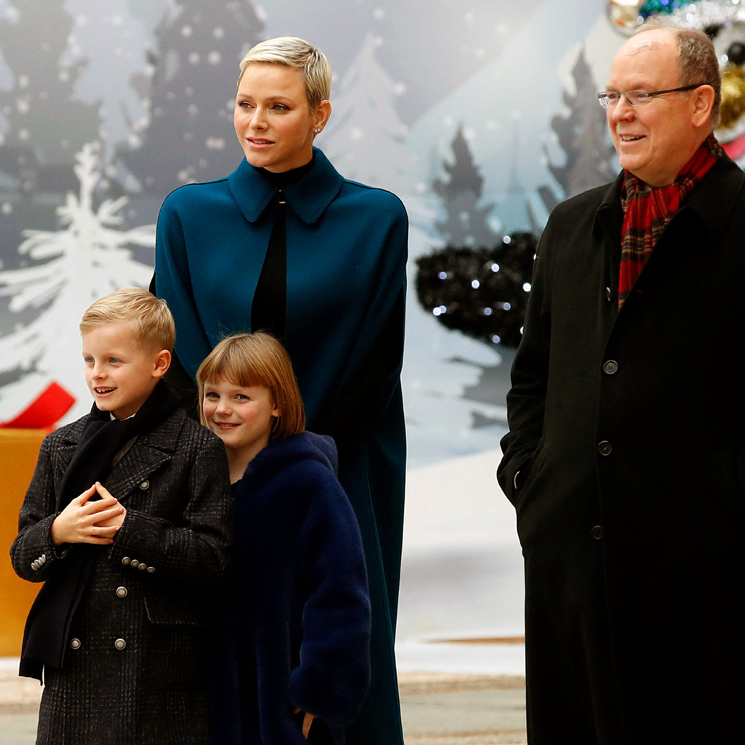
(294, 52)
(150, 316)
(257, 359)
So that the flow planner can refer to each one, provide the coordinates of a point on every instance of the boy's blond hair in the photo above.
(150, 316)
(257, 359)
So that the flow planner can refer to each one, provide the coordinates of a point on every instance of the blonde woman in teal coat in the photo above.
(287, 245)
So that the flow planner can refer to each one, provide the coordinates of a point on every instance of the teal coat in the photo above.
(346, 257)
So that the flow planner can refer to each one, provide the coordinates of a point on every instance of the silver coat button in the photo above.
(145, 485)
(135, 564)
(142, 567)
(126, 561)
(610, 367)
(121, 592)
(605, 448)
(608, 294)
(596, 532)
(74, 643)
(120, 644)
(151, 570)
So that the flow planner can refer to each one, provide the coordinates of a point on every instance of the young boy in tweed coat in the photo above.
(127, 522)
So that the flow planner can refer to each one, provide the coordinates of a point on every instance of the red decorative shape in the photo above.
(45, 411)
(736, 148)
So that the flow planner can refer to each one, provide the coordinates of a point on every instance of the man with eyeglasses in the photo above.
(625, 458)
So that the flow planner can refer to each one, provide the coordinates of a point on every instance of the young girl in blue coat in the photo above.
(293, 663)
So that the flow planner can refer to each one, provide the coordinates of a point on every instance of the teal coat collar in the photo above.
(252, 193)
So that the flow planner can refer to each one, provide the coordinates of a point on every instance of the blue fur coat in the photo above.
(297, 628)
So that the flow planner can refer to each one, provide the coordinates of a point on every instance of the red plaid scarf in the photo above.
(648, 211)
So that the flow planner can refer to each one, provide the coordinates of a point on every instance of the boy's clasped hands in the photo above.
(87, 520)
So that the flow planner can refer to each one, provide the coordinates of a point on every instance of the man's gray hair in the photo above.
(697, 60)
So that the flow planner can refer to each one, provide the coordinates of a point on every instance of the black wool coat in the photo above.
(297, 633)
(625, 461)
(136, 663)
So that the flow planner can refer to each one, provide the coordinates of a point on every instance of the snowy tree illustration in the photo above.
(87, 258)
(583, 136)
(46, 124)
(189, 136)
(465, 222)
(515, 210)
(479, 283)
(365, 139)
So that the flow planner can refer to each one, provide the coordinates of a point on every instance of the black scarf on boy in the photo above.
(49, 620)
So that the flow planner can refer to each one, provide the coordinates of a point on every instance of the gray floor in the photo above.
(438, 709)
(17, 728)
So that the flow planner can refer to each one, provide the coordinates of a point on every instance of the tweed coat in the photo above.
(298, 633)
(625, 461)
(135, 667)
(346, 258)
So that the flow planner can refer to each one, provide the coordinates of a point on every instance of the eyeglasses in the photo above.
(639, 98)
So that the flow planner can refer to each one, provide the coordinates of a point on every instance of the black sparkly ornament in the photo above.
(481, 292)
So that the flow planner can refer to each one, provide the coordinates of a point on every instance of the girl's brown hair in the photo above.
(257, 359)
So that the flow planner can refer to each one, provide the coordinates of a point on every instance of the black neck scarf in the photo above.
(50, 617)
(269, 307)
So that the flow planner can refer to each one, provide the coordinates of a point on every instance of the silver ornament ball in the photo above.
(624, 15)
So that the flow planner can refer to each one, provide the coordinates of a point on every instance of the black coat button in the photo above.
(605, 448)
(596, 532)
(610, 367)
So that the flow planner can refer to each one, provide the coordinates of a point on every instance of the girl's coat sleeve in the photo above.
(334, 672)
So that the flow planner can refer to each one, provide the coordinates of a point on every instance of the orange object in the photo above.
(19, 449)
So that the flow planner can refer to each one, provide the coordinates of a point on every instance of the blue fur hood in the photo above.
(284, 451)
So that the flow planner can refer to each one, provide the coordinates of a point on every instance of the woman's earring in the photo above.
(318, 130)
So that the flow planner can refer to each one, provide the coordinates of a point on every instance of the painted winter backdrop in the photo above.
(480, 115)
